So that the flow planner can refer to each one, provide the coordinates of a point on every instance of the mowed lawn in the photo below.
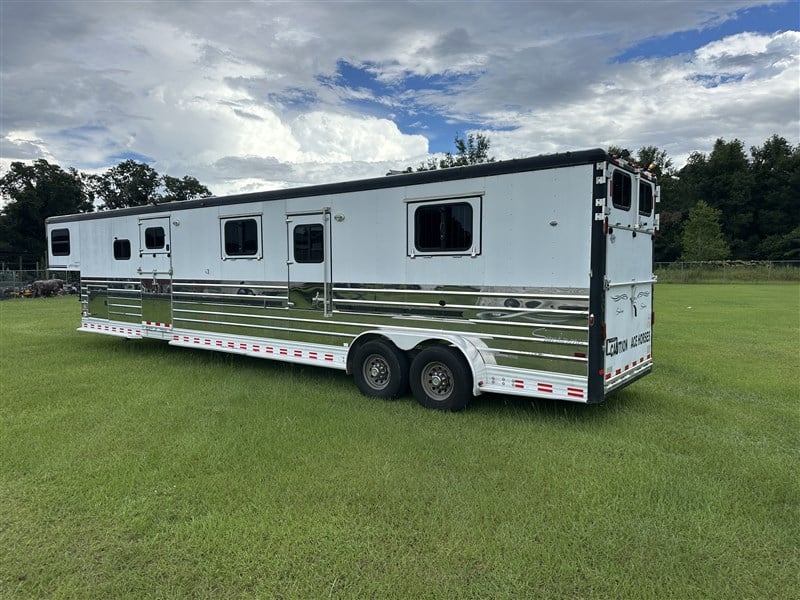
(133, 469)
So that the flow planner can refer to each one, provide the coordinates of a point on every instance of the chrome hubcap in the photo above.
(437, 380)
(376, 371)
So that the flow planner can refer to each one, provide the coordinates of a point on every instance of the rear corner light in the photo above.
(591, 320)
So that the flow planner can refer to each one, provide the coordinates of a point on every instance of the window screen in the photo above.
(59, 242)
(621, 190)
(241, 237)
(645, 198)
(309, 243)
(154, 238)
(443, 227)
(122, 249)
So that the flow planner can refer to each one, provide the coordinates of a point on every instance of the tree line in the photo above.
(728, 205)
(40, 190)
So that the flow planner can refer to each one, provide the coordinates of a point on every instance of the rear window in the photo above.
(621, 190)
(59, 242)
(645, 198)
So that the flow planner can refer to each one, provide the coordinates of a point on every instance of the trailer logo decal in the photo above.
(615, 346)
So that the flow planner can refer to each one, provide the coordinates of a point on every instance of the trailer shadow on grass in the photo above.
(318, 378)
(548, 409)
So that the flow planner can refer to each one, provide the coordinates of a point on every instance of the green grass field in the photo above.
(132, 469)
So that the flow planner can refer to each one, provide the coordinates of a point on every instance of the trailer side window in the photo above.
(122, 249)
(59, 242)
(309, 243)
(240, 237)
(621, 190)
(154, 238)
(645, 198)
(443, 227)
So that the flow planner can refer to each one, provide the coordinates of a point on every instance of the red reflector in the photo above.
(579, 355)
(604, 332)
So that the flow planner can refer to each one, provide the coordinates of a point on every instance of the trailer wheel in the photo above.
(441, 379)
(381, 370)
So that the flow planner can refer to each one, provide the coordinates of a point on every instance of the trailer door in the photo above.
(629, 279)
(155, 268)
(154, 246)
(309, 266)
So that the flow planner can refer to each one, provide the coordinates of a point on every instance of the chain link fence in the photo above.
(728, 271)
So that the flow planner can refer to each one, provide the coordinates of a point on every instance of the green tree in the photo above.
(472, 151)
(729, 186)
(187, 188)
(130, 183)
(775, 195)
(702, 235)
(34, 193)
(655, 160)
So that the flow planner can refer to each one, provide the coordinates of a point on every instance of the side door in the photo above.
(155, 269)
(308, 236)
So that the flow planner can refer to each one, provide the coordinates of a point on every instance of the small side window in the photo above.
(621, 190)
(59, 242)
(154, 238)
(122, 249)
(645, 199)
(443, 227)
(240, 237)
(309, 243)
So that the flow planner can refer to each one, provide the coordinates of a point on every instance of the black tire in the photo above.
(441, 379)
(380, 370)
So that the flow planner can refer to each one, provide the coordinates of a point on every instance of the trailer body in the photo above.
(530, 277)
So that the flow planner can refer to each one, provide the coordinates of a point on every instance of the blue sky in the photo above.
(261, 95)
(759, 19)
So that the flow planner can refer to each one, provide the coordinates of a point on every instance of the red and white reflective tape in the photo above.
(542, 387)
(156, 324)
(113, 329)
(613, 373)
(574, 392)
(258, 348)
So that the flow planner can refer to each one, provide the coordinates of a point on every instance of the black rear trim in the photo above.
(596, 359)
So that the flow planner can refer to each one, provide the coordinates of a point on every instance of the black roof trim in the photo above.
(535, 163)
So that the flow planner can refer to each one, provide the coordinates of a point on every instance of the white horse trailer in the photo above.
(530, 277)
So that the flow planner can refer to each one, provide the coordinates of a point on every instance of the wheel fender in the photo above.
(404, 340)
